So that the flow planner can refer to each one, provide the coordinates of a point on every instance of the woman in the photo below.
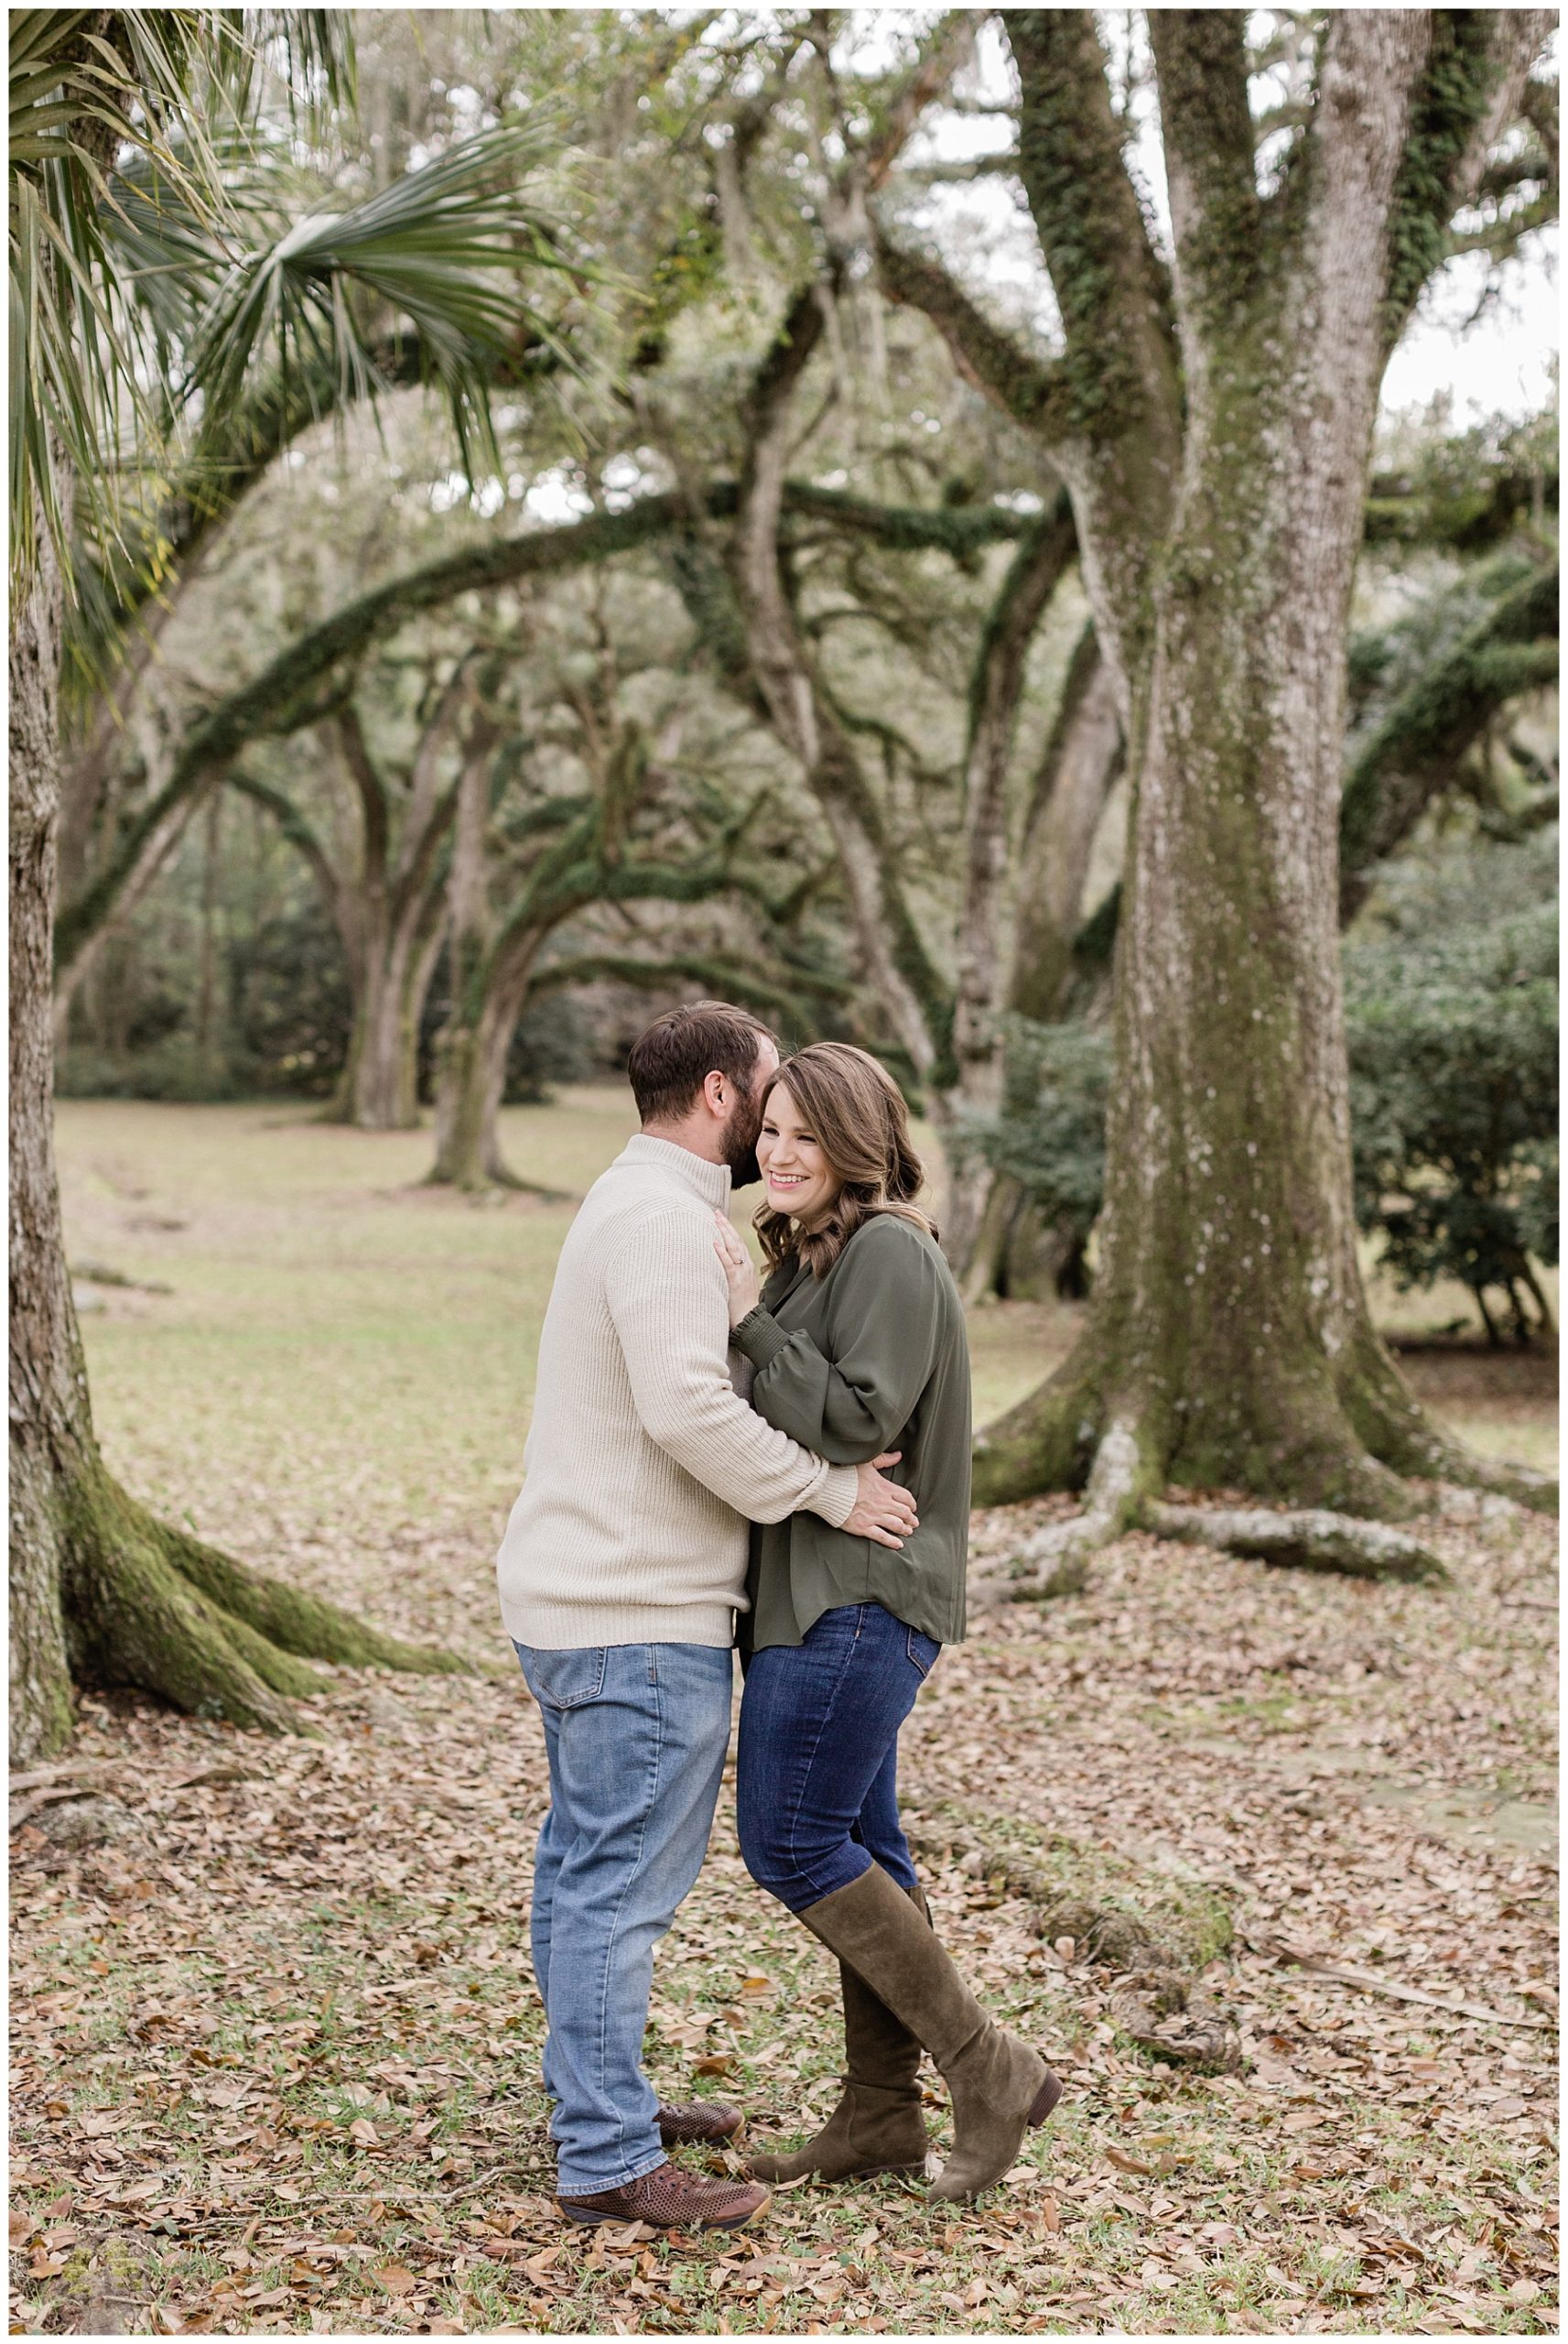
(859, 1347)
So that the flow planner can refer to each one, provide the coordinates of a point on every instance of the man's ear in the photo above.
(716, 1092)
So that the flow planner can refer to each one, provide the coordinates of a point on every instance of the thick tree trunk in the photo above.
(1229, 1333)
(381, 1082)
(51, 1436)
(472, 1081)
(1229, 1343)
(390, 921)
(100, 1590)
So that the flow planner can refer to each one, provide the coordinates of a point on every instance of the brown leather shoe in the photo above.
(671, 2201)
(683, 2123)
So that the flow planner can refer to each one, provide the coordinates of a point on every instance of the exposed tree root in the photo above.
(1170, 2016)
(150, 1606)
(1397, 1429)
(1343, 1466)
(500, 1176)
(1058, 1554)
(469, 1158)
(496, 1180)
(1311, 1541)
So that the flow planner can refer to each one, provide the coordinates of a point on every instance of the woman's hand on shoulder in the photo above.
(739, 1270)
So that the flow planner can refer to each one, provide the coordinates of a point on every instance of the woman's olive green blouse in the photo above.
(871, 1357)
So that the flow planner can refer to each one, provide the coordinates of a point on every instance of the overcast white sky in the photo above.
(1503, 365)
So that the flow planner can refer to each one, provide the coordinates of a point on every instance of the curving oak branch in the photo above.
(301, 684)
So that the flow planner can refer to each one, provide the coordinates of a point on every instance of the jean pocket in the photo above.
(564, 1680)
(923, 1650)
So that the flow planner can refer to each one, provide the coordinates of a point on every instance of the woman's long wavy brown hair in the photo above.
(855, 1113)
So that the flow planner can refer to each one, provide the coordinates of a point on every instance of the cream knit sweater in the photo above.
(643, 1463)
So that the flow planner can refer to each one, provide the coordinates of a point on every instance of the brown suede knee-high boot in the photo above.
(998, 2084)
(876, 2126)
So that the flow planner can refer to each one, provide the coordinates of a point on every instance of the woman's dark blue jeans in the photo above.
(816, 1786)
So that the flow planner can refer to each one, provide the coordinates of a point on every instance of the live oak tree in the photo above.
(1443, 689)
(570, 805)
(1213, 423)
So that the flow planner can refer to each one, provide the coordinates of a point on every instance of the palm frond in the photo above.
(447, 249)
(163, 292)
(76, 102)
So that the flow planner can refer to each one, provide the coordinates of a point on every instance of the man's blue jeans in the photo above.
(635, 1736)
(817, 1782)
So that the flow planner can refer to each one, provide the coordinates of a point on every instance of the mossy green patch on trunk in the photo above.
(148, 1605)
(1046, 1442)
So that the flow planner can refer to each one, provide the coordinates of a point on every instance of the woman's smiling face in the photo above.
(798, 1177)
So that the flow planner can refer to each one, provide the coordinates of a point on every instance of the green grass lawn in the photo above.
(367, 1345)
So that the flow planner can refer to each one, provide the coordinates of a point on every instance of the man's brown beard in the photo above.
(740, 1135)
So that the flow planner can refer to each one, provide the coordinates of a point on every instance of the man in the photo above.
(620, 1574)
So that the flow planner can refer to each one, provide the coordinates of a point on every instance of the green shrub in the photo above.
(551, 1045)
(1051, 1134)
(1451, 1009)
(1451, 1004)
(173, 1070)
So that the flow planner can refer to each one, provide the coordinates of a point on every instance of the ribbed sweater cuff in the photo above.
(759, 1336)
(834, 1500)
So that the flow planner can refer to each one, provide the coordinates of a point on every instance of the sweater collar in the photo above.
(709, 1181)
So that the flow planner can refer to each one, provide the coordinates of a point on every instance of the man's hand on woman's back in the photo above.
(882, 1510)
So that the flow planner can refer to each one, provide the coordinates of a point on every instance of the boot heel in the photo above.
(1044, 2099)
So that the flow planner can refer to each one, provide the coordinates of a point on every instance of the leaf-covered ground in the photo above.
(276, 2043)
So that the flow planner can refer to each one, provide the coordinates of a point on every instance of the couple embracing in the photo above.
(794, 1463)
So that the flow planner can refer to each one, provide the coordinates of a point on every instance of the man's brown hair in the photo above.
(674, 1057)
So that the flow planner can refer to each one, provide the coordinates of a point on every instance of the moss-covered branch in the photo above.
(231, 457)
(1034, 392)
(1200, 57)
(1043, 556)
(296, 688)
(1110, 286)
(1414, 751)
(1473, 77)
(778, 991)
(1464, 512)
(778, 372)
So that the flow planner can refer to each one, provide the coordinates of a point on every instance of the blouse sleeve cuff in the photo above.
(759, 1336)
